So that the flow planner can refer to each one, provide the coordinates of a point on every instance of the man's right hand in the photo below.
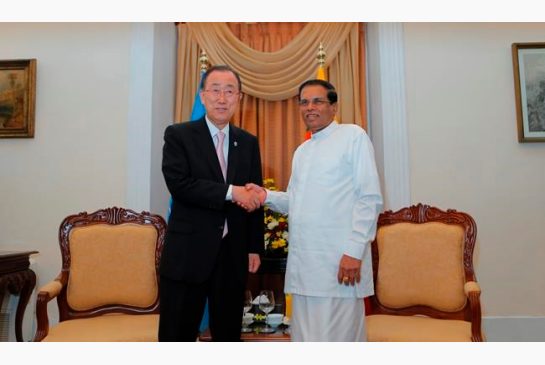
(261, 192)
(247, 199)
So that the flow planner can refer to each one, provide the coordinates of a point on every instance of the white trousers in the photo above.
(327, 319)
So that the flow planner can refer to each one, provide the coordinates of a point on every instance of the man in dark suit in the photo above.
(211, 242)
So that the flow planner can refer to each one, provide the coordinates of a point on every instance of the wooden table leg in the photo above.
(26, 291)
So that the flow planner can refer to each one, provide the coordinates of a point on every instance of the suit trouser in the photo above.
(182, 303)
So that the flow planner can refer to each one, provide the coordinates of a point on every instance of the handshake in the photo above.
(249, 197)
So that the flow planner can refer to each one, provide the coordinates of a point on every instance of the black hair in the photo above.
(220, 68)
(331, 92)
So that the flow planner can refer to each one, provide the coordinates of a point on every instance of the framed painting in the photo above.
(17, 98)
(529, 72)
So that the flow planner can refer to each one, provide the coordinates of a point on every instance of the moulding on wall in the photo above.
(388, 111)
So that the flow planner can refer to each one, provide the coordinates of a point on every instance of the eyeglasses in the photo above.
(315, 101)
(227, 93)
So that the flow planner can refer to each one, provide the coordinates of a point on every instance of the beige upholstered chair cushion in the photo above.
(421, 264)
(107, 328)
(112, 265)
(382, 327)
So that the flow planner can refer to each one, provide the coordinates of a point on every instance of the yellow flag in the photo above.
(320, 75)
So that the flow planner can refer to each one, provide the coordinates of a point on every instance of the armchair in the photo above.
(108, 287)
(425, 286)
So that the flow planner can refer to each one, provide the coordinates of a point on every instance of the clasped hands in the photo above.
(249, 197)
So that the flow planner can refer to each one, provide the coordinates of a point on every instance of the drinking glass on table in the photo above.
(266, 304)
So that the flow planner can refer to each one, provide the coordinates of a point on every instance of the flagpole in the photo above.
(320, 74)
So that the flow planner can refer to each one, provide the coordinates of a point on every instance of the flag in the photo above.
(320, 74)
(197, 112)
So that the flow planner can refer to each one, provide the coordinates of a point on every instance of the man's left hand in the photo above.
(349, 270)
(253, 262)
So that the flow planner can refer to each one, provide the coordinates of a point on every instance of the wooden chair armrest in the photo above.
(52, 289)
(472, 286)
(45, 295)
(473, 292)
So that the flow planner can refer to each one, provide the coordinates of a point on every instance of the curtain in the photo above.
(273, 59)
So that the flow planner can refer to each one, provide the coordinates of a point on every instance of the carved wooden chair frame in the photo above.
(420, 213)
(112, 216)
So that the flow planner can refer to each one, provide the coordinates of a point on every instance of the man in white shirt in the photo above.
(333, 201)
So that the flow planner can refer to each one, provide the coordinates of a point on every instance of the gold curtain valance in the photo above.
(272, 75)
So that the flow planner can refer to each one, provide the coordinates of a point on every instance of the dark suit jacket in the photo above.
(193, 176)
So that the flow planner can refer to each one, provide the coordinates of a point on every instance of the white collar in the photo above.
(214, 130)
(323, 133)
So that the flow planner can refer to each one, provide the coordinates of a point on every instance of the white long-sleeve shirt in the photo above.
(333, 201)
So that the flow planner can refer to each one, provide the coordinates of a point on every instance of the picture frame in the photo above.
(17, 98)
(529, 72)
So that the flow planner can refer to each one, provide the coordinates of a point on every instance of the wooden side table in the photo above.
(278, 336)
(17, 278)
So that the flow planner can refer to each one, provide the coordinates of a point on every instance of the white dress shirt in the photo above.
(333, 201)
(214, 133)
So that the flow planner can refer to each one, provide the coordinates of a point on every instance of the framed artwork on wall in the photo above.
(529, 72)
(17, 98)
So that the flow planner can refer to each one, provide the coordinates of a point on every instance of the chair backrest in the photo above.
(422, 257)
(110, 261)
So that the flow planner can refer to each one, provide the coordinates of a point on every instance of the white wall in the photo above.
(80, 157)
(464, 153)
(164, 89)
(151, 110)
